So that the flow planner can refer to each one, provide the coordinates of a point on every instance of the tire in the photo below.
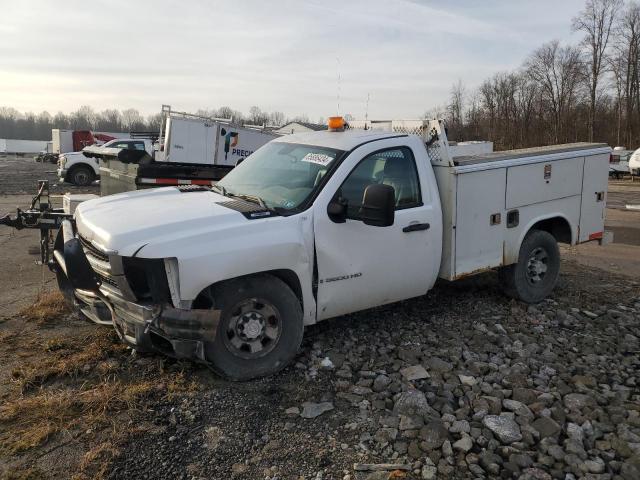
(81, 176)
(536, 273)
(260, 327)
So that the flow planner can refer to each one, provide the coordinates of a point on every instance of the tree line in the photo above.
(31, 126)
(561, 93)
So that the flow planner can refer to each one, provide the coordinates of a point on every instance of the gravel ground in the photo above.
(462, 383)
(20, 175)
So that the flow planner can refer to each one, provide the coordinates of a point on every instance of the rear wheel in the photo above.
(81, 175)
(260, 327)
(535, 274)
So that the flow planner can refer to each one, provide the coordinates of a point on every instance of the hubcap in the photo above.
(253, 329)
(81, 177)
(537, 265)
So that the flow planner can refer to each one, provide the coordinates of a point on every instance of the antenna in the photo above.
(338, 88)
(366, 109)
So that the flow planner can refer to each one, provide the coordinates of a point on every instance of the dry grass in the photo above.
(71, 384)
(179, 385)
(29, 473)
(31, 421)
(95, 462)
(49, 307)
(67, 363)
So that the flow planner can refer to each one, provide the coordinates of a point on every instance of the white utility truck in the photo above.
(80, 169)
(316, 225)
(634, 164)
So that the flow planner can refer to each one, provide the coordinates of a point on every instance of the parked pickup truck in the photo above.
(80, 169)
(316, 225)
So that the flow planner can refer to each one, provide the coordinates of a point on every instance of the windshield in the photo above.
(283, 175)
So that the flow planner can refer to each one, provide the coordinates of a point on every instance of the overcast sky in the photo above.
(279, 55)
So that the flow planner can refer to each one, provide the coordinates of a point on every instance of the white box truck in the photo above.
(313, 226)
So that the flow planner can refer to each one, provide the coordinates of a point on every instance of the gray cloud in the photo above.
(282, 55)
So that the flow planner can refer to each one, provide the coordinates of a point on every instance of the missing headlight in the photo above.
(147, 279)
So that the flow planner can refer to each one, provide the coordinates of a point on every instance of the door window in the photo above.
(395, 167)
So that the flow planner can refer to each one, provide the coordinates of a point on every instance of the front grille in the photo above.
(99, 262)
(106, 279)
(93, 251)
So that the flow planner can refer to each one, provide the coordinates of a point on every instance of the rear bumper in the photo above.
(175, 332)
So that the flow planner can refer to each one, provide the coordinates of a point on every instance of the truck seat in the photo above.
(398, 173)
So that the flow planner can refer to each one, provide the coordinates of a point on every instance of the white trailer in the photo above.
(21, 147)
(62, 140)
(195, 140)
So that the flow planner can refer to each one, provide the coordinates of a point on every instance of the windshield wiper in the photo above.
(251, 198)
(220, 189)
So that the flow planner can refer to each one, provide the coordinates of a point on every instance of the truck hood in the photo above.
(127, 222)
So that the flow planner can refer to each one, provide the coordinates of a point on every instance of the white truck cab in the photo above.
(634, 163)
(76, 168)
(313, 226)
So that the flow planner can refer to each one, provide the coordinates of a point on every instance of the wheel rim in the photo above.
(253, 329)
(537, 266)
(81, 177)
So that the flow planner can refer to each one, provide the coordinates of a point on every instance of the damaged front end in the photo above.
(133, 295)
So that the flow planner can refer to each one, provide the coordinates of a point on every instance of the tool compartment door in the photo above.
(544, 181)
(594, 192)
(479, 232)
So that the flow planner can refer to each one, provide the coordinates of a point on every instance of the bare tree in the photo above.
(276, 119)
(456, 108)
(83, 118)
(257, 116)
(557, 71)
(596, 22)
(132, 120)
(628, 47)
(225, 112)
(615, 66)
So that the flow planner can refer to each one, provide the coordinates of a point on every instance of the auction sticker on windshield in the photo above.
(318, 158)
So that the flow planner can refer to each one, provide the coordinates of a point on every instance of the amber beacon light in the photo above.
(336, 124)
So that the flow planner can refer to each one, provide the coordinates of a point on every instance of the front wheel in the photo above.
(535, 274)
(260, 327)
(81, 176)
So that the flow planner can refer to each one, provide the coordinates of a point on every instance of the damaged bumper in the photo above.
(145, 326)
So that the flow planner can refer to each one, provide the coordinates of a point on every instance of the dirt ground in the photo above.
(74, 403)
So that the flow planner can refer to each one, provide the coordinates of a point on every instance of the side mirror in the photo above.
(337, 210)
(378, 205)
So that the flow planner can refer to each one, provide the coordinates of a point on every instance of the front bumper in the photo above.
(62, 173)
(179, 333)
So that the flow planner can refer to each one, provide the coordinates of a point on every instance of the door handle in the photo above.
(415, 227)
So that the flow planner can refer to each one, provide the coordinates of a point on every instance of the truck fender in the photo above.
(289, 277)
(510, 255)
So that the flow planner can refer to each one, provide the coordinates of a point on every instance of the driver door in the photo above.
(361, 266)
